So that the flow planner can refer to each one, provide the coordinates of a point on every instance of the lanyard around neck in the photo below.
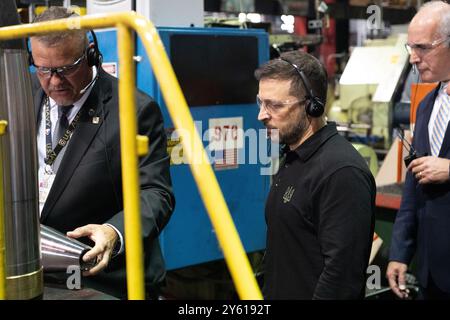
(51, 154)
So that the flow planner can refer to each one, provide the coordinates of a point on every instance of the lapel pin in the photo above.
(95, 120)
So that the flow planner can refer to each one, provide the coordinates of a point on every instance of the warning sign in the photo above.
(226, 133)
(225, 138)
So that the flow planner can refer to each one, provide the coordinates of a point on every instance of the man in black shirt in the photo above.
(320, 209)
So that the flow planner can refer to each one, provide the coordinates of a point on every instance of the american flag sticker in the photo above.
(226, 159)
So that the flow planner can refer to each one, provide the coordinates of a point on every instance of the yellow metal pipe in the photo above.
(130, 174)
(3, 125)
(210, 192)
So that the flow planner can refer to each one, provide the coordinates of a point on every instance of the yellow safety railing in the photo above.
(210, 192)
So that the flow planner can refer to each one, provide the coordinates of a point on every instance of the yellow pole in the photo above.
(207, 184)
(3, 125)
(130, 174)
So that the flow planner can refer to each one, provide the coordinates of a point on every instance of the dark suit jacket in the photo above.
(423, 222)
(88, 185)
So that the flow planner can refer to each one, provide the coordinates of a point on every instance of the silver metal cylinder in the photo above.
(19, 156)
(59, 251)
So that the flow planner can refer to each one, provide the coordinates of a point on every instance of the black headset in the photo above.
(314, 106)
(93, 55)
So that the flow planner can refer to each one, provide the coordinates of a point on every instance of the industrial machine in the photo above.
(215, 69)
(369, 88)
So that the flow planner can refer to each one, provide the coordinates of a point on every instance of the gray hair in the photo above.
(52, 39)
(442, 8)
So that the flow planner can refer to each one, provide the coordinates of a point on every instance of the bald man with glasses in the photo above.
(422, 224)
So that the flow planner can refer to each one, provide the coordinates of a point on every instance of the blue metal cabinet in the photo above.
(214, 67)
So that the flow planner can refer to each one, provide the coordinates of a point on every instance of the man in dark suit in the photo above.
(422, 224)
(80, 183)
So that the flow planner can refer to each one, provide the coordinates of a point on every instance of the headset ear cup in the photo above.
(92, 56)
(314, 108)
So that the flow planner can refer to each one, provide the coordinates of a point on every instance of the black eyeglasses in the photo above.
(424, 48)
(63, 71)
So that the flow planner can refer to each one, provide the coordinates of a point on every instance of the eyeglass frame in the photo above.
(48, 72)
(263, 104)
(423, 48)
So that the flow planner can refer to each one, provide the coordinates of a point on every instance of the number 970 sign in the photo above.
(225, 133)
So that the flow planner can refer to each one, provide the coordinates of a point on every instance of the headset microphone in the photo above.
(414, 68)
(82, 91)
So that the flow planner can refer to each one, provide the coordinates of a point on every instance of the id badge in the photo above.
(46, 178)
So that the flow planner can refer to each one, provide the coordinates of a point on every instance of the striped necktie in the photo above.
(440, 125)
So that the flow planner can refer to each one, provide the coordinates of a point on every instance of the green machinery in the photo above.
(369, 155)
(368, 88)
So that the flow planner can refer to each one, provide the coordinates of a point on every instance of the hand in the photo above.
(395, 273)
(105, 238)
(430, 169)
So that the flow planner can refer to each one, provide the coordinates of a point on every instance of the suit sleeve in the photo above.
(346, 204)
(156, 197)
(403, 241)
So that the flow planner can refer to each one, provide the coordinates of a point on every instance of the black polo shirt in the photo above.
(320, 220)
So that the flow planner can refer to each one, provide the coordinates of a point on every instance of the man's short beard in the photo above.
(295, 132)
